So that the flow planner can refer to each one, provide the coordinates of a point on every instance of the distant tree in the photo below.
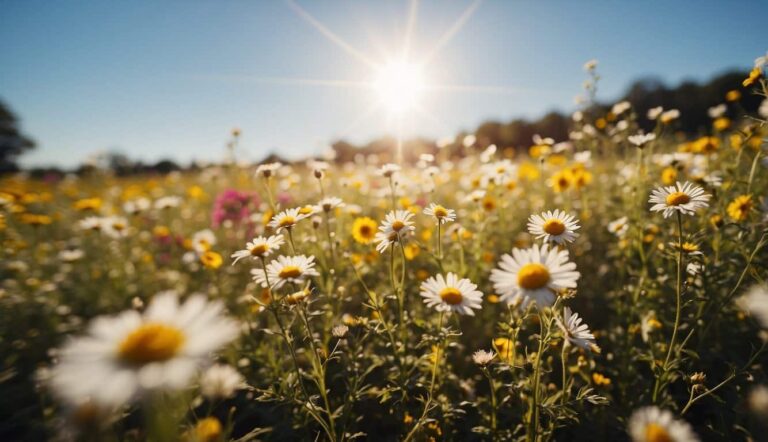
(12, 142)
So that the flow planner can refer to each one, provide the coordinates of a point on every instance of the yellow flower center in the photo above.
(532, 276)
(398, 225)
(151, 342)
(451, 295)
(677, 198)
(440, 212)
(690, 247)
(365, 230)
(554, 227)
(306, 210)
(290, 272)
(259, 249)
(656, 433)
(208, 430)
(287, 221)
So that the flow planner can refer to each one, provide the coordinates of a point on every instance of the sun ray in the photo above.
(452, 31)
(410, 27)
(369, 112)
(330, 35)
(476, 88)
(292, 81)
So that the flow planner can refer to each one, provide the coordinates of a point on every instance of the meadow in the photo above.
(607, 287)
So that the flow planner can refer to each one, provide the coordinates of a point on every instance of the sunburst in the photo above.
(397, 85)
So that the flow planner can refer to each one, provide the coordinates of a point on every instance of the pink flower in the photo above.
(233, 205)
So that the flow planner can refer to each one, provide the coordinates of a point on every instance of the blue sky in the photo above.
(169, 79)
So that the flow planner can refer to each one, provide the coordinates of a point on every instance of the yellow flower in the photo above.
(363, 230)
(561, 180)
(528, 171)
(195, 192)
(754, 74)
(740, 208)
(505, 348)
(539, 150)
(716, 221)
(733, 95)
(411, 251)
(706, 144)
(36, 220)
(556, 160)
(669, 175)
(721, 124)
(600, 379)
(736, 141)
(581, 177)
(207, 430)
(211, 259)
(85, 204)
(488, 203)
(600, 123)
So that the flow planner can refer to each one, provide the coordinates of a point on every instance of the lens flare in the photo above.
(399, 85)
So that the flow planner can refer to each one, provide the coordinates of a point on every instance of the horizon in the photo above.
(126, 78)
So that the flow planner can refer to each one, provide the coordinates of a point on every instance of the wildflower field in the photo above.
(607, 287)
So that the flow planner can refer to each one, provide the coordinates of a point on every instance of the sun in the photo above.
(399, 85)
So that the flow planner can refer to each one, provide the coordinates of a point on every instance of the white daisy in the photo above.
(287, 219)
(558, 226)
(92, 223)
(755, 302)
(451, 294)
(259, 247)
(440, 213)
(269, 169)
(576, 332)
(652, 424)
(124, 356)
(388, 170)
(655, 112)
(203, 240)
(685, 198)
(71, 255)
(483, 357)
(139, 205)
(167, 202)
(619, 226)
(395, 228)
(534, 274)
(641, 139)
(115, 226)
(220, 382)
(329, 204)
(295, 269)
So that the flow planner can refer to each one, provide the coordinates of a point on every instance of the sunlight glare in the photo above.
(399, 85)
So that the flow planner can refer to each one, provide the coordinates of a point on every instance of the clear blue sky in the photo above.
(168, 79)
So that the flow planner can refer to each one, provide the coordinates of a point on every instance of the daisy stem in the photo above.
(752, 171)
(431, 383)
(290, 240)
(270, 198)
(492, 385)
(319, 371)
(678, 299)
(533, 430)
(439, 245)
(289, 342)
(330, 241)
(564, 361)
